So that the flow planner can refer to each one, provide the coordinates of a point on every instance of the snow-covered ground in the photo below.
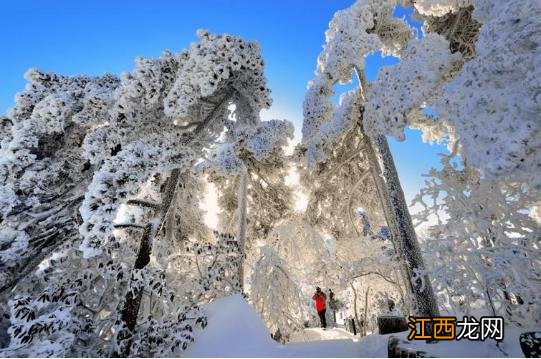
(235, 330)
(315, 334)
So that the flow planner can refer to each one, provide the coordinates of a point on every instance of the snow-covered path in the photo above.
(316, 342)
(235, 330)
(315, 334)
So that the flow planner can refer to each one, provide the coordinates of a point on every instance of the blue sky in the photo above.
(94, 37)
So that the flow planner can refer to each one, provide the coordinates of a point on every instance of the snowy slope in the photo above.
(234, 330)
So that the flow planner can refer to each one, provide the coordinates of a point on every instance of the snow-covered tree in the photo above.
(354, 33)
(425, 65)
(474, 68)
(206, 270)
(159, 120)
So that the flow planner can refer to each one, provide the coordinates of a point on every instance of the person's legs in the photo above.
(322, 318)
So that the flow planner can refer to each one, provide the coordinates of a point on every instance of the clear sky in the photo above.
(94, 37)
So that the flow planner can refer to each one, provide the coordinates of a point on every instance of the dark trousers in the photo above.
(322, 319)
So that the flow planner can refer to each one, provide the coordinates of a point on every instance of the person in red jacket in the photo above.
(319, 297)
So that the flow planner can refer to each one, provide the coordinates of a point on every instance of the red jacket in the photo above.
(320, 300)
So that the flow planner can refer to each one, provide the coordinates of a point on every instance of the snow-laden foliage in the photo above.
(43, 170)
(340, 184)
(161, 339)
(208, 270)
(344, 118)
(14, 244)
(256, 142)
(49, 322)
(259, 141)
(424, 66)
(484, 247)
(49, 120)
(494, 104)
(155, 106)
(119, 178)
(365, 27)
(459, 28)
(317, 106)
(354, 33)
(209, 65)
(440, 7)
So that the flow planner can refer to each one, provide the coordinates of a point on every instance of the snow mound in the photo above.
(234, 330)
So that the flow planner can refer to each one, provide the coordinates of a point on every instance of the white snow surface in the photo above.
(235, 330)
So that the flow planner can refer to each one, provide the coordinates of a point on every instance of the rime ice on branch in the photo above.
(43, 170)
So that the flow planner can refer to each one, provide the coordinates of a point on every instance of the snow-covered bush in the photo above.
(209, 270)
(275, 295)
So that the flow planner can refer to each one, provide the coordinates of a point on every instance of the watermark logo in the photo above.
(449, 328)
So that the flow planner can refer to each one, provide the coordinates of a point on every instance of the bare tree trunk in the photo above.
(398, 217)
(241, 231)
(355, 306)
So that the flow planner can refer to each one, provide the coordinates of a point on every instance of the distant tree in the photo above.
(250, 169)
